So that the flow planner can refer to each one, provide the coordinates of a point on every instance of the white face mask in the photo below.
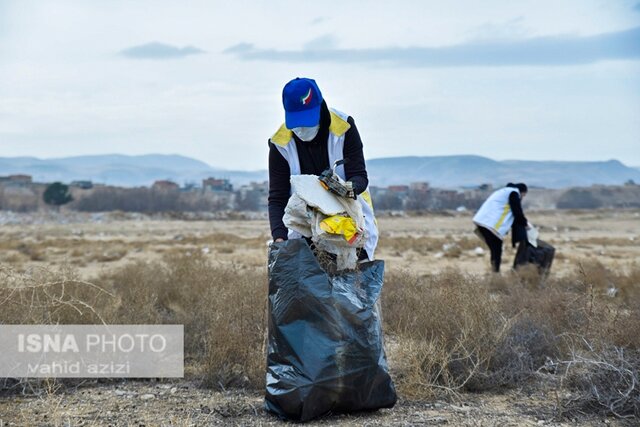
(306, 133)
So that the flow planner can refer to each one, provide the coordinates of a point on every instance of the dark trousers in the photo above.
(495, 246)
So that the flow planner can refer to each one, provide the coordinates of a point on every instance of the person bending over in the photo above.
(502, 212)
(313, 138)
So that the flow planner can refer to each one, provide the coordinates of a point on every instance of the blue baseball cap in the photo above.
(302, 99)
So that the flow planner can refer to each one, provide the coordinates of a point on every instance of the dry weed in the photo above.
(458, 332)
(449, 332)
(33, 251)
(451, 327)
(221, 308)
(425, 244)
(601, 380)
(44, 296)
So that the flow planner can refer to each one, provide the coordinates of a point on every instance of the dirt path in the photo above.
(185, 404)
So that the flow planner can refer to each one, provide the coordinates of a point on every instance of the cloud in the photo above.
(157, 50)
(513, 29)
(319, 20)
(325, 42)
(239, 48)
(538, 51)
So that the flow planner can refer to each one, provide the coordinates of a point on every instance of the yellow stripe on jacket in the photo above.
(505, 211)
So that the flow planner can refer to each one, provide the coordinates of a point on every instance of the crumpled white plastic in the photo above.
(532, 235)
(310, 203)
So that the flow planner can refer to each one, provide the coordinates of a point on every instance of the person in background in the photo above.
(311, 140)
(502, 212)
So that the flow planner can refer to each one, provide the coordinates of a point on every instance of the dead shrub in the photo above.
(226, 249)
(236, 333)
(12, 257)
(108, 255)
(604, 381)
(221, 308)
(448, 332)
(454, 332)
(452, 328)
(76, 253)
(524, 348)
(452, 250)
(44, 296)
(33, 251)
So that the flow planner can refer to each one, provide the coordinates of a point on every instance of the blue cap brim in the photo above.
(306, 118)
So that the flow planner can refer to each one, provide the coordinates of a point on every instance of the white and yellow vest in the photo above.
(283, 140)
(495, 213)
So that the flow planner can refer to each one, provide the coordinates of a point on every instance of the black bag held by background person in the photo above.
(542, 256)
(325, 352)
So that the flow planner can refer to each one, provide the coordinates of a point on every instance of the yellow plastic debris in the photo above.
(342, 225)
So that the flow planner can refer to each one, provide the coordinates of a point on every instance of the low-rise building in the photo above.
(165, 185)
(422, 187)
(84, 185)
(216, 184)
(398, 188)
(17, 180)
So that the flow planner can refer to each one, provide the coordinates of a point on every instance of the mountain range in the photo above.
(457, 171)
(122, 170)
(441, 171)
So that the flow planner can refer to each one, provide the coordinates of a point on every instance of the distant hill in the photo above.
(442, 171)
(122, 170)
(456, 171)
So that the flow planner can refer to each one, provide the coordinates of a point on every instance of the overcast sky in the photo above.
(556, 80)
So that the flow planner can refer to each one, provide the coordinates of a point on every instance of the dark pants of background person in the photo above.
(495, 246)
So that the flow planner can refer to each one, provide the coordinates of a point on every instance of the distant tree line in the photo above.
(577, 198)
(147, 200)
(627, 196)
(23, 201)
(433, 200)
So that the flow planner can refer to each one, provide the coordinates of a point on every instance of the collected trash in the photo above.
(532, 235)
(334, 224)
(331, 181)
(540, 255)
(325, 344)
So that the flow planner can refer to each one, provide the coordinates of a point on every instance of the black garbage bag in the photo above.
(325, 352)
(542, 256)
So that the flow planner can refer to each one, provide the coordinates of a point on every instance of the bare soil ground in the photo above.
(419, 244)
(187, 404)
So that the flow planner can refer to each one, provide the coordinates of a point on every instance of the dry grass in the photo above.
(222, 308)
(43, 296)
(424, 245)
(33, 251)
(457, 332)
(106, 254)
(608, 241)
(603, 381)
(448, 332)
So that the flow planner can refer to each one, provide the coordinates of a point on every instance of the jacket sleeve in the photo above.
(516, 209)
(355, 168)
(279, 191)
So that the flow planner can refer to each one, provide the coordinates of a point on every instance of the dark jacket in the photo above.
(519, 227)
(314, 159)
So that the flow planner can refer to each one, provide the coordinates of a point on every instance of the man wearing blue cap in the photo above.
(312, 139)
